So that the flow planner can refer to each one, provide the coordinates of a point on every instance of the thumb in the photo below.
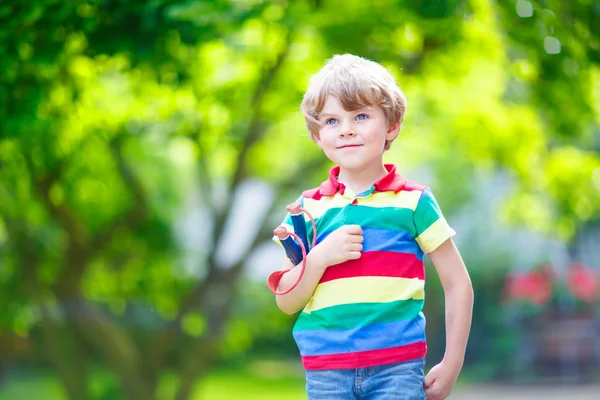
(429, 379)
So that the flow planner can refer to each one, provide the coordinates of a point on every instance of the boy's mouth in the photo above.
(349, 145)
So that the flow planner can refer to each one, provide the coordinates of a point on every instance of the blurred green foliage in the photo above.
(113, 112)
(264, 381)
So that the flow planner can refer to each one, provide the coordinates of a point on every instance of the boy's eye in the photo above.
(330, 121)
(362, 117)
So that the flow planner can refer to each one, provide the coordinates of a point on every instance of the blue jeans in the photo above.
(401, 381)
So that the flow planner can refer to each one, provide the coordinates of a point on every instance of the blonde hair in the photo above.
(358, 83)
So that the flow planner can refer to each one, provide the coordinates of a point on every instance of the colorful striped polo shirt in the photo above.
(368, 311)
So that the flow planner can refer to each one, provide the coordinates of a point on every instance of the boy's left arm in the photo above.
(458, 293)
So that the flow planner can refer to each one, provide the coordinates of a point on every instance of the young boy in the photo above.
(361, 332)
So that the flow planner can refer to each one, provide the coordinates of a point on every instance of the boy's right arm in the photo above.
(341, 245)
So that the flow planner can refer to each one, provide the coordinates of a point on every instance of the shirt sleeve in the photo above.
(432, 229)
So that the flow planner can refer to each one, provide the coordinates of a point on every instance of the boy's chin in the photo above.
(352, 165)
(354, 162)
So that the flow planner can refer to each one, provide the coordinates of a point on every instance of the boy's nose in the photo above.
(347, 131)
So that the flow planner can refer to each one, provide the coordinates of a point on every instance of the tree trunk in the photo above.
(69, 364)
(205, 351)
(119, 353)
(202, 355)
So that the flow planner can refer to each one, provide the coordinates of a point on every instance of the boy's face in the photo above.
(354, 139)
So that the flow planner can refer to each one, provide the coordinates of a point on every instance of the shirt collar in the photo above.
(391, 181)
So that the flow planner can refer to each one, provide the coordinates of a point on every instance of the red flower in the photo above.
(532, 286)
(583, 283)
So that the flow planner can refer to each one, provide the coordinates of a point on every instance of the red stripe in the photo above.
(378, 263)
(363, 359)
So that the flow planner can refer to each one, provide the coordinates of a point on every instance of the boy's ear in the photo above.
(393, 130)
(316, 140)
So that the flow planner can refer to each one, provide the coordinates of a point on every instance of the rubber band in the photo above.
(295, 249)
(303, 263)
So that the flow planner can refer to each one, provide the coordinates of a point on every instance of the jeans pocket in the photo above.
(400, 381)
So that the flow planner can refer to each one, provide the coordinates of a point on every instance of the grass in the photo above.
(259, 381)
(31, 386)
(228, 385)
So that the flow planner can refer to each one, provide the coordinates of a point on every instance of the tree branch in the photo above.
(255, 131)
(160, 346)
(28, 252)
(225, 279)
(265, 232)
(137, 214)
(55, 346)
(204, 351)
(41, 185)
(77, 247)
(206, 183)
(119, 352)
(164, 340)
(63, 214)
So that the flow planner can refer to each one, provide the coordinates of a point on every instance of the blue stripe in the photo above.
(371, 337)
(385, 240)
(300, 229)
(292, 250)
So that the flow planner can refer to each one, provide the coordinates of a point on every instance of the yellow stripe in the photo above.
(402, 199)
(366, 289)
(435, 235)
(318, 207)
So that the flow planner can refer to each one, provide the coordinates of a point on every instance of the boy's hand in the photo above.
(343, 244)
(439, 381)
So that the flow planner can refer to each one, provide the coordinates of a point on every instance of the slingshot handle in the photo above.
(294, 208)
(281, 233)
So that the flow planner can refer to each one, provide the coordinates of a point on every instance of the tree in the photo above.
(89, 193)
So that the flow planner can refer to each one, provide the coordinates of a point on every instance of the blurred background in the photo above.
(148, 149)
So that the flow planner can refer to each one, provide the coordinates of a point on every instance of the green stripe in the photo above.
(350, 316)
(427, 212)
(288, 219)
(394, 218)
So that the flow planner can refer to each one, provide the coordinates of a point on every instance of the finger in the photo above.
(354, 255)
(431, 394)
(357, 238)
(354, 229)
(429, 380)
(356, 247)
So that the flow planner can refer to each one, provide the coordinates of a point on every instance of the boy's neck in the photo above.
(362, 179)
